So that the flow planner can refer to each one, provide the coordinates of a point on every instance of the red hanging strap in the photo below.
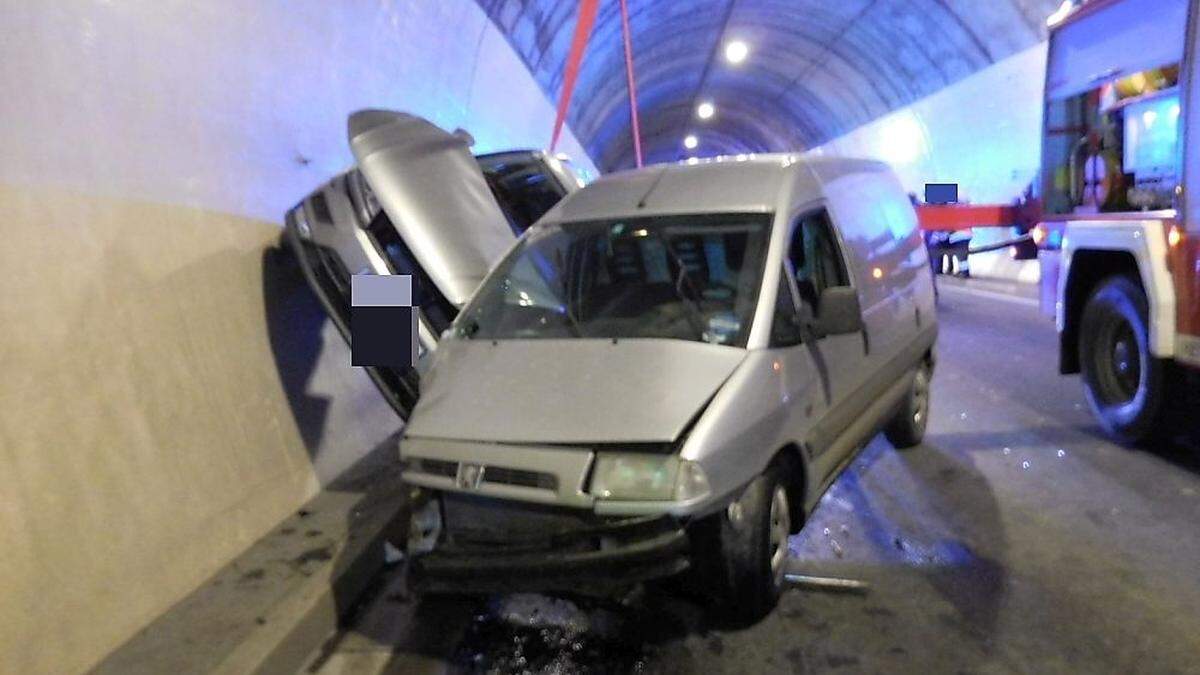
(583, 31)
(633, 106)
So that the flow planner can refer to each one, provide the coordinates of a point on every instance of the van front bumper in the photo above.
(560, 550)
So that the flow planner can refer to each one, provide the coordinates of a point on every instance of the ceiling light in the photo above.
(691, 142)
(736, 51)
(705, 110)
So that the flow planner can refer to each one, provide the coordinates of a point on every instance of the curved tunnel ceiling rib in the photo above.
(816, 70)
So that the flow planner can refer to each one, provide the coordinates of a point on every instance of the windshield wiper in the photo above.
(695, 315)
(469, 329)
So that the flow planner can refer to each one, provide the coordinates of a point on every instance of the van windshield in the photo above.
(683, 277)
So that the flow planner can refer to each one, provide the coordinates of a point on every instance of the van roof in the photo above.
(741, 184)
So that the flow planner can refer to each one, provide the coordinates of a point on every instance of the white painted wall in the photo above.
(168, 393)
(983, 132)
(213, 104)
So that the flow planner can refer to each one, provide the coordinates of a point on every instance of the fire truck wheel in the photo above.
(1123, 381)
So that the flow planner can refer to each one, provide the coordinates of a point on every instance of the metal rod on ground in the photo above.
(1004, 244)
(835, 584)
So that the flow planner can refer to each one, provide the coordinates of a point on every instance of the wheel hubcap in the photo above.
(780, 527)
(921, 398)
(1121, 374)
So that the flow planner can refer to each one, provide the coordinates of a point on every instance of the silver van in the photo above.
(418, 203)
(668, 371)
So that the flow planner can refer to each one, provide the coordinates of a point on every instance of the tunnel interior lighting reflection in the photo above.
(1063, 11)
(691, 142)
(736, 51)
(903, 140)
(705, 110)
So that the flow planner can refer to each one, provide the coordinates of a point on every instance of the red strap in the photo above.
(583, 31)
(633, 106)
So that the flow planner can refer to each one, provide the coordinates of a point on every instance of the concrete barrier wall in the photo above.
(169, 390)
(983, 132)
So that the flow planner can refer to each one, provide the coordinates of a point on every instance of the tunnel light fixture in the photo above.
(691, 142)
(706, 110)
(736, 51)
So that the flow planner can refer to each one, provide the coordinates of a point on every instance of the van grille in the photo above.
(497, 475)
(437, 467)
(521, 477)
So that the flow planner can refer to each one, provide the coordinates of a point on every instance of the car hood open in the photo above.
(435, 194)
(583, 391)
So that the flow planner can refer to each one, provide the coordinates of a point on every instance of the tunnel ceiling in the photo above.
(817, 68)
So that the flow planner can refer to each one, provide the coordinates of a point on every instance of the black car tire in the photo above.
(1124, 383)
(748, 536)
(907, 428)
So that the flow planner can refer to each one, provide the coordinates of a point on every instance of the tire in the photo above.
(1124, 383)
(907, 428)
(747, 554)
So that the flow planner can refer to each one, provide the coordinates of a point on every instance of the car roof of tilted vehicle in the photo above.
(743, 184)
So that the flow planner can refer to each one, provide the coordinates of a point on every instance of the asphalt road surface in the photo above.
(1017, 539)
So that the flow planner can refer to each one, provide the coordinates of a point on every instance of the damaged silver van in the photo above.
(668, 371)
(418, 203)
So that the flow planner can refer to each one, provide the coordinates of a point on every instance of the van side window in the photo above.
(816, 257)
(785, 329)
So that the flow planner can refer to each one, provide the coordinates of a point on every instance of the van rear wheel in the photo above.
(907, 428)
(1123, 382)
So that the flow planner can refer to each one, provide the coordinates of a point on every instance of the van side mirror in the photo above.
(838, 312)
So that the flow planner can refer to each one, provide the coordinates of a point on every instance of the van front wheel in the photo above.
(748, 554)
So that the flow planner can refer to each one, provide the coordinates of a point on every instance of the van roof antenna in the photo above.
(646, 197)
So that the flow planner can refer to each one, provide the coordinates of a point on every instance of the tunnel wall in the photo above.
(983, 132)
(169, 390)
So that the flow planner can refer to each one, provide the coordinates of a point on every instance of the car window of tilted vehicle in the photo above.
(524, 189)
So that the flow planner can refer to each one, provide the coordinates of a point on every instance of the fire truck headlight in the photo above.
(1175, 236)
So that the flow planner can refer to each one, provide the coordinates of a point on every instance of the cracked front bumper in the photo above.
(496, 546)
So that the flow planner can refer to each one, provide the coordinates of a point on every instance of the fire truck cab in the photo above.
(1120, 200)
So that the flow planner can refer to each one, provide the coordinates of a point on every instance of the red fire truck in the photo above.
(1119, 195)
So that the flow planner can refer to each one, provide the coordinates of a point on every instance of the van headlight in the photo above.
(645, 477)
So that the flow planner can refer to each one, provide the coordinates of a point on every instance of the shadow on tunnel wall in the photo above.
(295, 320)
